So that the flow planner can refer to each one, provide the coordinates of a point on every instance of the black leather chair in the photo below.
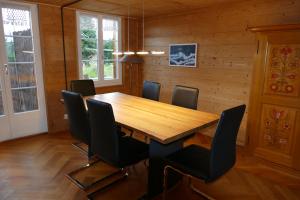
(78, 118)
(84, 87)
(79, 128)
(208, 165)
(151, 90)
(185, 97)
(107, 143)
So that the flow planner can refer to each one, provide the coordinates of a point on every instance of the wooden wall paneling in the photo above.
(53, 65)
(52, 56)
(225, 50)
(70, 28)
(133, 72)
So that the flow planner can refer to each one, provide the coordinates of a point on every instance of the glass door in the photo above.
(5, 132)
(22, 70)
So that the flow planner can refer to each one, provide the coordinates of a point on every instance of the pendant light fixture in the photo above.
(157, 52)
(117, 53)
(143, 52)
(129, 56)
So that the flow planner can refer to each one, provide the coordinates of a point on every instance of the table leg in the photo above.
(156, 167)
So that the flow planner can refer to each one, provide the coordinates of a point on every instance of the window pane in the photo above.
(16, 22)
(22, 75)
(89, 46)
(89, 49)
(24, 99)
(19, 49)
(110, 29)
(90, 69)
(110, 45)
(109, 69)
(88, 23)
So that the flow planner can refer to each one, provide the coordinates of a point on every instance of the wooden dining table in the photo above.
(166, 125)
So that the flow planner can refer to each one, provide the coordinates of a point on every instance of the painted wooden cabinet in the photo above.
(274, 114)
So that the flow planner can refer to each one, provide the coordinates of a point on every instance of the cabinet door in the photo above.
(275, 99)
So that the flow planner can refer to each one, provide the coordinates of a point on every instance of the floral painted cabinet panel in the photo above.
(277, 128)
(283, 70)
(274, 111)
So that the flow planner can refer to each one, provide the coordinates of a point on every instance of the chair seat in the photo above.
(193, 160)
(132, 151)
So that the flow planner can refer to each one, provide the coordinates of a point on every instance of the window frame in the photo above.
(101, 82)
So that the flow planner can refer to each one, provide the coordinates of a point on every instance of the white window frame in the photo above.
(101, 82)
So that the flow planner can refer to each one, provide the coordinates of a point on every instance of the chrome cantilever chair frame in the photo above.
(221, 158)
(108, 144)
(76, 99)
(77, 146)
(84, 187)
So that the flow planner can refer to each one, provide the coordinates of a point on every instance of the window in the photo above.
(99, 36)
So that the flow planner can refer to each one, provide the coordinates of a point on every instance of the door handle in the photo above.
(6, 69)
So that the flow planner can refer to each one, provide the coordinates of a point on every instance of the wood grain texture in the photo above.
(152, 8)
(53, 64)
(225, 51)
(35, 168)
(274, 115)
(282, 27)
(159, 121)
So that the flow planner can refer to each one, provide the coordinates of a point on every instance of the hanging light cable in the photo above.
(143, 52)
(117, 52)
(128, 52)
(129, 56)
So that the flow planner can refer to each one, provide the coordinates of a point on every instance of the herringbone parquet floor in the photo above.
(35, 168)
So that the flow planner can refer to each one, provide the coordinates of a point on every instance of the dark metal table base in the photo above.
(156, 167)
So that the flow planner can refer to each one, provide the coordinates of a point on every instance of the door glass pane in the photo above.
(110, 45)
(21, 75)
(16, 22)
(24, 99)
(89, 46)
(19, 49)
(20, 57)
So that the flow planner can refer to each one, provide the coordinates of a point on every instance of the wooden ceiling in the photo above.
(152, 7)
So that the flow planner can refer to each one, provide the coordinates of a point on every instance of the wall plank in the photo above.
(53, 63)
(225, 50)
(52, 55)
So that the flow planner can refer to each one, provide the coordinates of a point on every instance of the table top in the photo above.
(162, 122)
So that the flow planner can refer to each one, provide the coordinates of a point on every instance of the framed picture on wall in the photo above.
(183, 55)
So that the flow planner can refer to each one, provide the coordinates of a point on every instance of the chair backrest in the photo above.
(78, 117)
(83, 87)
(223, 148)
(104, 137)
(151, 90)
(185, 97)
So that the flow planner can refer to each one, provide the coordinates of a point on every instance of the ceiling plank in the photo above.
(152, 8)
